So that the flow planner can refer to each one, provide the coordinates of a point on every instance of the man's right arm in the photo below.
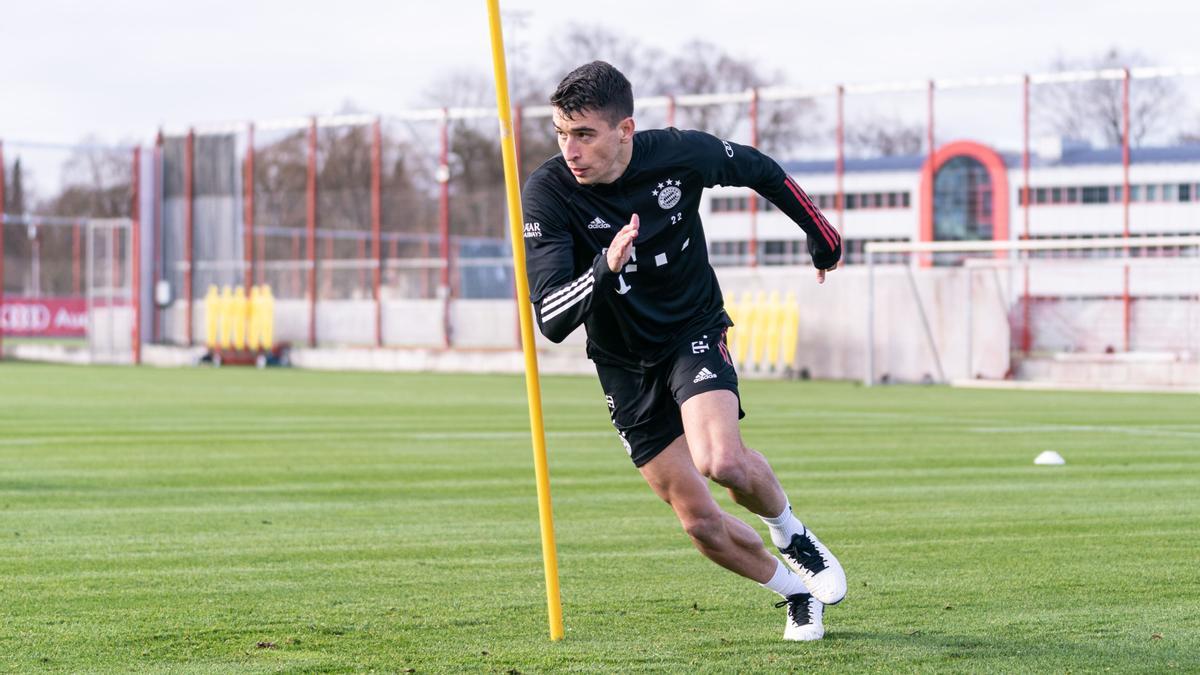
(561, 297)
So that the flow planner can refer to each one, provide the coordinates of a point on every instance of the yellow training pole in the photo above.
(533, 388)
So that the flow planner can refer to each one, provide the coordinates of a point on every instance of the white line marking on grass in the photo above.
(1133, 431)
(471, 435)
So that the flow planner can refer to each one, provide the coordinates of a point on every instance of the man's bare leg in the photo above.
(722, 538)
(710, 423)
(728, 541)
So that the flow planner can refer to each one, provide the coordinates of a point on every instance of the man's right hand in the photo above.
(621, 248)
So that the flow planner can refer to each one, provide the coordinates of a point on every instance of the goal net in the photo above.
(1101, 310)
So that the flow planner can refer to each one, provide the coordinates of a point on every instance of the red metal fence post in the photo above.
(933, 174)
(248, 203)
(753, 194)
(518, 118)
(376, 224)
(158, 250)
(444, 224)
(76, 261)
(2, 179)
(1127, 301)
(1026, 330)
(188, 229)
(311, 195)
(840, 166)
(135, 282)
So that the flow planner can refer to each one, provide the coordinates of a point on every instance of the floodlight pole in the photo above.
(532, 385)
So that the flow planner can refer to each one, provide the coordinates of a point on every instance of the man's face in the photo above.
(592, 146)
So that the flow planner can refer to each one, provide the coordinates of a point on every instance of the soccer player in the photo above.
(614, 242)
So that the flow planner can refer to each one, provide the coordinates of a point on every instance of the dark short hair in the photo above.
(595, 86)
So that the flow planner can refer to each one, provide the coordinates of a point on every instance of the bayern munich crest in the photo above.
(668, 193)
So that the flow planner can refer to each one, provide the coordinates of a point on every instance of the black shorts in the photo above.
(644, 406)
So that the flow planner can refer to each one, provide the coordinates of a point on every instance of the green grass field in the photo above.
(240, 520)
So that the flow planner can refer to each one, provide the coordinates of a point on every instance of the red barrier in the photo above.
(44, 317)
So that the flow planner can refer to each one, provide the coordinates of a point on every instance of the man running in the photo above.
(614, 241)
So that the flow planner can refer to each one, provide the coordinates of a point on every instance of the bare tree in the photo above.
(646, 67)
(96, 182)
(704, 68)
(1190, 136)
(886, 137)
(1093, 110)
(700, 68)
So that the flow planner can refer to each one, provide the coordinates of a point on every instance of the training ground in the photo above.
(238, 520)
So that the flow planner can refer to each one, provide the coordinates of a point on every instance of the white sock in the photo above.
(784, 526)
(785, 582)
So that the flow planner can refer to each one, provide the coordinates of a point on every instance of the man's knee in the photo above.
(707, 530)
(727, 468)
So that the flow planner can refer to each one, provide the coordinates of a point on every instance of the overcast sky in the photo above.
(119, 69)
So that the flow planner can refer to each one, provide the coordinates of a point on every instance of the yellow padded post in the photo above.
(791, 330)
(238, 317)
(224, 305)
(212, 317)
(266, 321)
(253, 313)
(774, 320)
(747, 330)
(762, 317)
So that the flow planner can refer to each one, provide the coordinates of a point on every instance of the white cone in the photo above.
(1049, 458)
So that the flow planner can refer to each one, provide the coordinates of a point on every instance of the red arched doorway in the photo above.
(969, 184)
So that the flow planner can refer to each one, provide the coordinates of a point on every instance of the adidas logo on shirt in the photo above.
(599, 223)
(704, 374)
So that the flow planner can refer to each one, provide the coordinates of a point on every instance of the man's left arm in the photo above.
(725, 163)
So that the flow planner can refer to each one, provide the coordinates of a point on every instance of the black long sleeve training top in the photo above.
(668, 288)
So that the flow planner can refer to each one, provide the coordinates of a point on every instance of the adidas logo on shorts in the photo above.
(599, 223)
(704, 374)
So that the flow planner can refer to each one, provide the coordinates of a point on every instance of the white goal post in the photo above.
(109, 290)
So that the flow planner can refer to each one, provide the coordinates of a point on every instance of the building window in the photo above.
(1072, 195)
(962, 194)
(1039, 196)
(1151, 193)
(1135, 193)
(1056, 195)
(904, 199)
(1096, 194)
(1169, 193)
